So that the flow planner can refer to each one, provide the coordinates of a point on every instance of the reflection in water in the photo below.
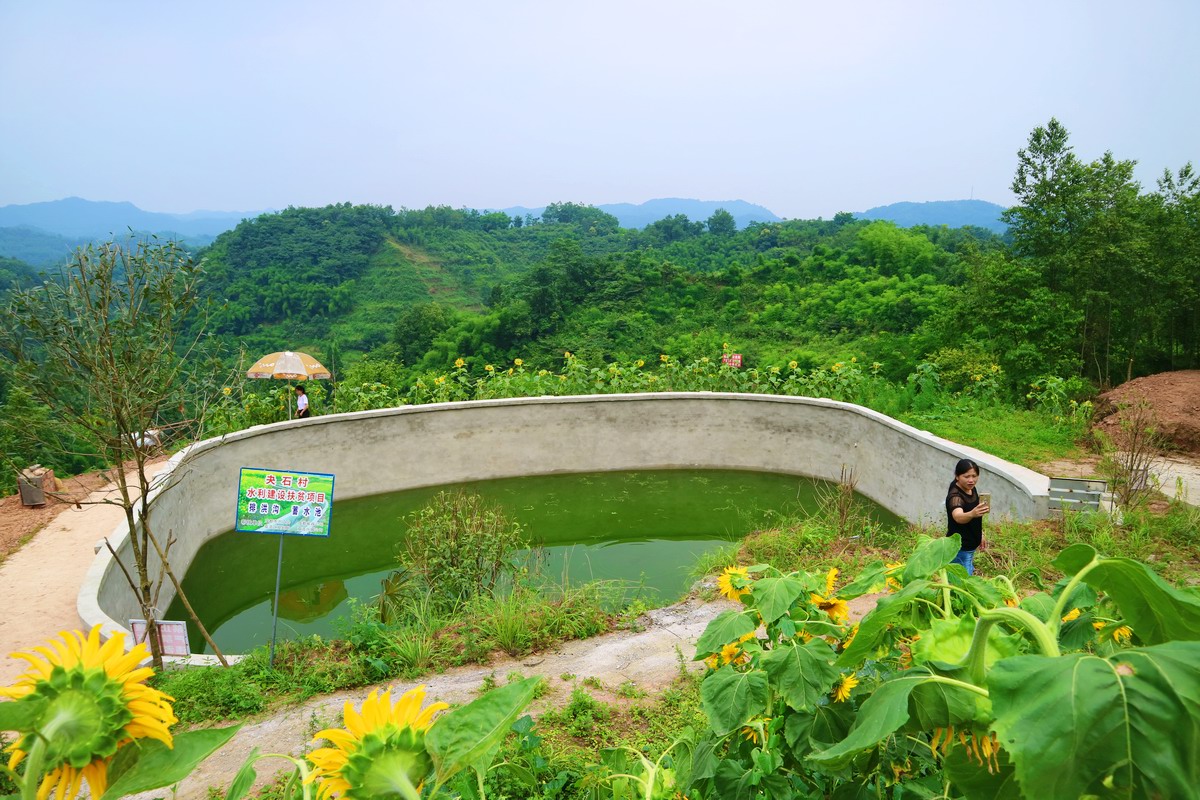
(311, 602)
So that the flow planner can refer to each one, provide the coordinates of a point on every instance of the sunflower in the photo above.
(519, 362)
(830, 581)
(837, 609)
(459, 363)
(727, 587)
(97, 702)
(1073, 615)
(380, 748)
(893, 582)
(841, 690)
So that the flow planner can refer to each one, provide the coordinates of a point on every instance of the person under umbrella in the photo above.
(301, 403)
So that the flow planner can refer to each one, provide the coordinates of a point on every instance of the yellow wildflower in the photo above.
(841, 691)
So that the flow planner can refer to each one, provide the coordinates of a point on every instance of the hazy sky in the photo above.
(807, 108)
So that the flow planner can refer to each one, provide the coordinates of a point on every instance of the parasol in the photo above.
(290, 366)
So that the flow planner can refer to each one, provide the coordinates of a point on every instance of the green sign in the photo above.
(278, 501)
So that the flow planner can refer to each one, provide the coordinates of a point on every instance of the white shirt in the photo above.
(301, 402)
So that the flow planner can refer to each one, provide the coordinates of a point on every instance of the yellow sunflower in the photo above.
(519, 362)
(893, 582)
(379, 747)
(1073, 615)
(726, 583)
(841, 690)
(837, 609)
(458, 362)
(830, 581)
(97, 702)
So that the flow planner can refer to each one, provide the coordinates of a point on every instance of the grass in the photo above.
(519, 622)
(1021, 436)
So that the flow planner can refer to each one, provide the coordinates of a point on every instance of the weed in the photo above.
(592, 682)
(630, 691)
(567, 676)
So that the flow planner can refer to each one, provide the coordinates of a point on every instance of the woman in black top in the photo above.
(964, 512)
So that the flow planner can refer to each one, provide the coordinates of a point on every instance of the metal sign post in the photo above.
(283, 503)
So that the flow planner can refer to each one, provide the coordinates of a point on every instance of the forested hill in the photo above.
(427, 287)
(1096, 279)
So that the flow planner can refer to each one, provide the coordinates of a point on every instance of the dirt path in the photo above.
(42, 579)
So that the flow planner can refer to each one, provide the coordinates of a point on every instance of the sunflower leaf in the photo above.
(1127, 725)
(1156, 610)
(930, 556)
(773, 597)
(244, 779)
(470, 736)
(149, 764)
(726, 627)
(731, 698)
(802, 674)
(873, 626)
(883, 713)
(22, 715)
(978, 783)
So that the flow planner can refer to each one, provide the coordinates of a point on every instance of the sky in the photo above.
(807, 108)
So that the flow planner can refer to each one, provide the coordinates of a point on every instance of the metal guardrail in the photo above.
(1076, 494)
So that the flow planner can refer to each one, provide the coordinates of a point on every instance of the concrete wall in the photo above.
(371, 452)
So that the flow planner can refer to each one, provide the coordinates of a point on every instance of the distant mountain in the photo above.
(642, 214)
(75, 217)
(952, 213)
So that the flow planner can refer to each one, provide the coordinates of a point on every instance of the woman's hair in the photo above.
(963, 466)
(300, 389)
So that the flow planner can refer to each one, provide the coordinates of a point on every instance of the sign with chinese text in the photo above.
(278, 501)
(172, 636)
(732, 360)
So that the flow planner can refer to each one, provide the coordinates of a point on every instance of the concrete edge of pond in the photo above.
(904, 469)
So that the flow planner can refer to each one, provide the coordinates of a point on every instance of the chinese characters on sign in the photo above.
(172, 636)
(732, 360)
(278, 501)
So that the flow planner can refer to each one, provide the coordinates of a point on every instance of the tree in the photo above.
(110, 345)
(722, 223)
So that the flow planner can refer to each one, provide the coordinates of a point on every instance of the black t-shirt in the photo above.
(972, 531)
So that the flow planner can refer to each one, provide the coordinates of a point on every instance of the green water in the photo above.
(643, 528)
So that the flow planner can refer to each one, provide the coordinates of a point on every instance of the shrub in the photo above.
(458, 546)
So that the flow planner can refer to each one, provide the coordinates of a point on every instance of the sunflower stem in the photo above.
(33, 769)
(1065, 597)
(945, 581)
(1046, 640)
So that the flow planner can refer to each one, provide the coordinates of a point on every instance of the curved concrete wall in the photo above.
(371, 452)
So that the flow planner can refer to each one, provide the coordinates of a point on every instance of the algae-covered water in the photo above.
(643, 528)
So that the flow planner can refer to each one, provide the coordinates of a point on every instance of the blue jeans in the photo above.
(967, 559)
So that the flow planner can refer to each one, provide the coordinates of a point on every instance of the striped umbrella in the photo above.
(289, 366)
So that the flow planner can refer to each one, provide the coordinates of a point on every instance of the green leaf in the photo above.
(773, 597)
(731, 698)
(149, 764)
(975, 782)
(21, 715)
(244, 779)
(873, 626)
(1126, 726)
(1157, 611)
(801, 674)
(1041, 605)
(883, 713)
(726, 627)
(872, 579)
(471, 735)
(949, 640)
(820, 729)
(930, 556)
